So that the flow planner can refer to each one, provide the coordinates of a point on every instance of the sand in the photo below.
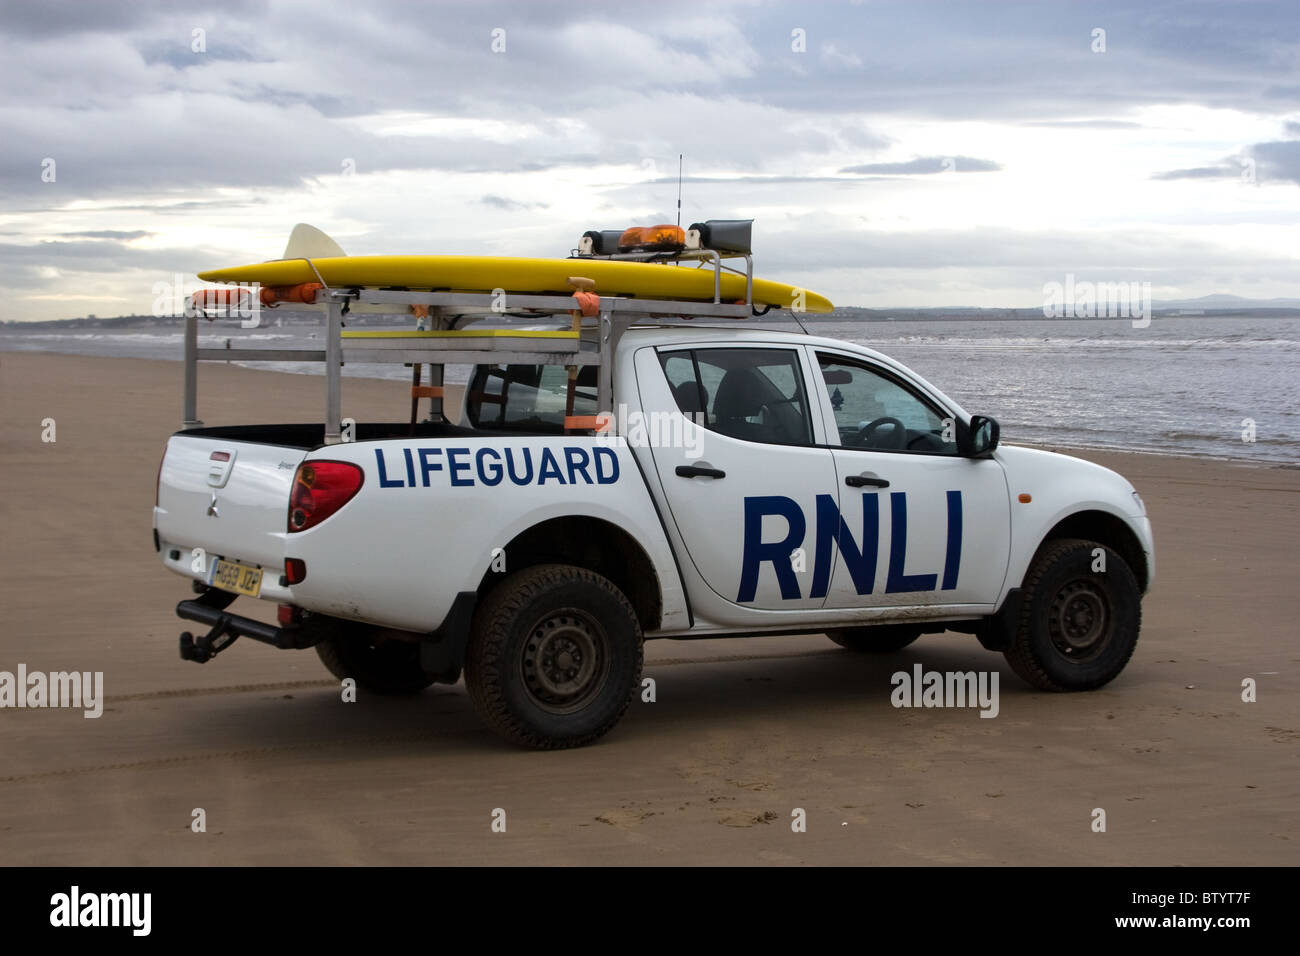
(743, 732)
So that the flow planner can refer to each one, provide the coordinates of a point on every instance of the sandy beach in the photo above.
(743, 731)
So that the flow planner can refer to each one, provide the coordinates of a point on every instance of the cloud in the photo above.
(1087, 124)
(1008, 267)
(926, 165)
(833, 56)
(511, 205)
(125, 236)
(1277, 161)
(397, 126)
(1224, 170)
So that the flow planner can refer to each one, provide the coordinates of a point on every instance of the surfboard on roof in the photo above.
(656, 280)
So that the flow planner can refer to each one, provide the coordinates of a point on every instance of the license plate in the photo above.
(240, 578)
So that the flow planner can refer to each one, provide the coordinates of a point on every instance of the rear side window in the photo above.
(748, 393)
(530, 399)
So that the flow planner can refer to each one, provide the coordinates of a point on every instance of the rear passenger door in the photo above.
(733, 434)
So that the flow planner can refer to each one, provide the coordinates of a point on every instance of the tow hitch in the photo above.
(210, 608)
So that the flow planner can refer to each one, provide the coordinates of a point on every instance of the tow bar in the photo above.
(210, 608)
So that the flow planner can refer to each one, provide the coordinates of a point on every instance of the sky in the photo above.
(891, 154)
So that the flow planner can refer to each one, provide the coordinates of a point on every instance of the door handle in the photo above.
(697, 471)
(862, 481)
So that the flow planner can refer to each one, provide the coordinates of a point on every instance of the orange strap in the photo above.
(426, 391)
(588, 302)
(589, 423)
(304, 292)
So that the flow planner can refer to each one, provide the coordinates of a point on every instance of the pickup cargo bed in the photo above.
(225, 492)
(312, 434)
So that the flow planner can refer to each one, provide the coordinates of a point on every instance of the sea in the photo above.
(1221, 386)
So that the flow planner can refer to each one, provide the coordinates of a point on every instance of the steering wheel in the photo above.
(897, 438)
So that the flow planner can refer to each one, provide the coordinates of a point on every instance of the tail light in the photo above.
(321, 488)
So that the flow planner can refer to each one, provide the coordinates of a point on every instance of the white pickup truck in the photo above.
(750, 482)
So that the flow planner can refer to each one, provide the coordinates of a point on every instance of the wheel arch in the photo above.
(596, 545)
(1108, 529)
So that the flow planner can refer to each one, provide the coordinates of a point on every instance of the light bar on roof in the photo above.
(726, 235)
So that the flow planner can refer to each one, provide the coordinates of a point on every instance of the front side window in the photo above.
(874, 411)
(752, 394)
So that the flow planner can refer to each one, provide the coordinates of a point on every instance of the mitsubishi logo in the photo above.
(212, 508)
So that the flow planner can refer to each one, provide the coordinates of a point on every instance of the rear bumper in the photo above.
(183, 560)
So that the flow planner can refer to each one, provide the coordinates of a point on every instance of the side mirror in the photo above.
(981, 436)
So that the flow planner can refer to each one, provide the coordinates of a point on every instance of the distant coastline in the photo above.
(286, 318)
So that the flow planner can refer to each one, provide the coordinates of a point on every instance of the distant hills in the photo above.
(1220, 301)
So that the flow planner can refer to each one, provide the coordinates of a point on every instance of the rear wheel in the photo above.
(554, 658)
(1078, 626)
(875, 640)
(379, 665)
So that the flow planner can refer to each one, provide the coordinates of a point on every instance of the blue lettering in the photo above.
(427, 466)
(576, 458)
(488, 474)
(952, 562)
(600, 454)
(755, 551)
(454, 467)
(510, 466)
(549, 468)
(898, 581)
(410, 468)
(831, 527)
(384, 481)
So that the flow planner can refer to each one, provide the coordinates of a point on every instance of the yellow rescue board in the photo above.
(520, 276)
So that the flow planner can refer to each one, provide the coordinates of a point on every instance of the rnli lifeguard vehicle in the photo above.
(638, 455)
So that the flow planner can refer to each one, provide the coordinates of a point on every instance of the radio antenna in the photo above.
(679, 190)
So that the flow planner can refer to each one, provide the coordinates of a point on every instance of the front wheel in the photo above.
(554, 658)
(1079, 619)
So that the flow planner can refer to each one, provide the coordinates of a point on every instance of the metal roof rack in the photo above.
(443, 337)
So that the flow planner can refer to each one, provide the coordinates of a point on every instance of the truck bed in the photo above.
(310, 435)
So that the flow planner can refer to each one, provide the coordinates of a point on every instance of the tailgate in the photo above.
(230, 498)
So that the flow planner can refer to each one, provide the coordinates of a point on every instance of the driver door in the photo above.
(918, 524)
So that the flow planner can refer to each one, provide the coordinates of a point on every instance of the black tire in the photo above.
(882, 639)
(554, 658)
(380, 666)
(1078, 627)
